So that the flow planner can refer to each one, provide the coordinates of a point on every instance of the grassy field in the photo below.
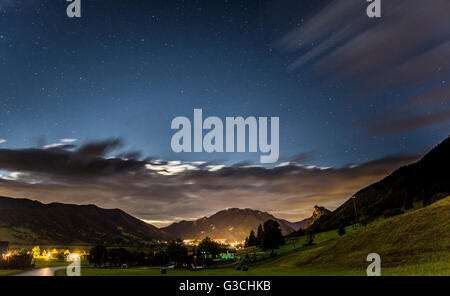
(415, 243)
(210, 272)
(4, 272)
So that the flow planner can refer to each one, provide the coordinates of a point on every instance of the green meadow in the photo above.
(414, 243)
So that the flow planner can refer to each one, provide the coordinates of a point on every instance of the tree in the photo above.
(341, 230)
(208, 248)
(259, 235)
(252, 240)
(177, 253)
(123, 256)
(300, 232)
(61, 256)
(292, 240)
(407, 202)
(309, 238)
(36, 251)
(426, 200)
(112, 256)
(161, 258)
(272, 238)
(392, 212)
(97, 255)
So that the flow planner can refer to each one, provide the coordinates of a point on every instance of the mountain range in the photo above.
(23, 221)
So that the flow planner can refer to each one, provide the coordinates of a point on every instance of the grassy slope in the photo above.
(416, 243)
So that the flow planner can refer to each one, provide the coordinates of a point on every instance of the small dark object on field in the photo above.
(163, 270)
(244, 268)
(238, 268)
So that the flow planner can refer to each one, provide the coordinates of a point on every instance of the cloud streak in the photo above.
(407, 48)
(408, 124)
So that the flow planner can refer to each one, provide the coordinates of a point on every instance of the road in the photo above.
(49, 271)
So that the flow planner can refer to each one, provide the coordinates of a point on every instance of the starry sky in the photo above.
(89, 101)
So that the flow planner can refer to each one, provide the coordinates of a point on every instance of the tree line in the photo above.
(268, 237)
(175, 252)
(19, 260)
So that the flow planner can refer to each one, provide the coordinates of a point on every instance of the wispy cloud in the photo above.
(63, 143)
(341, 40)
(68, 140)
(398, 124)
(2, 141)
(408, 48)
(54, 145)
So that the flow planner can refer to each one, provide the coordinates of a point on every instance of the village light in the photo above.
(73, 257)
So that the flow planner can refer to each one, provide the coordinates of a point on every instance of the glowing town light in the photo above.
(73, 257)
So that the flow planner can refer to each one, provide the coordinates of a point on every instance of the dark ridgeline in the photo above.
(425, 181)
(31, 222)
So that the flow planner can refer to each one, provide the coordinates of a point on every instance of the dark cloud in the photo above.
(428, 108)
(168, 191)
(101, 148)
(87, 160)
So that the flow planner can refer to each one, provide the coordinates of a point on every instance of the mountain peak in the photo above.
(319, 211)
(232, 224)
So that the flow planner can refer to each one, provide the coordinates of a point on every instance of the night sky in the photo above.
(351, 93)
